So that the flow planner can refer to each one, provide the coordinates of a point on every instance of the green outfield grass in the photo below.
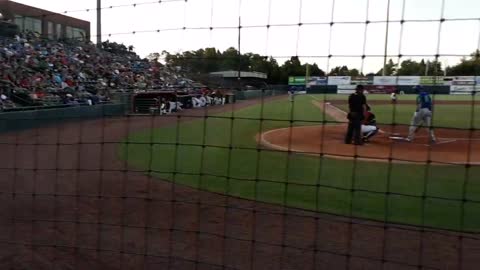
(447, 116)
(418, 195)
(403, 97)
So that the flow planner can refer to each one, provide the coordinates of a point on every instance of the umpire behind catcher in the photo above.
(357, 103)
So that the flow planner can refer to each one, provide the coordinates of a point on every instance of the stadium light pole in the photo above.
(99, 23)
(386, 39)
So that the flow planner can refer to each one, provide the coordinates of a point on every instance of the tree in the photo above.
(354, 73)
(316, 71)
(422, 68)
(390, 69)
(210, 60)
(293, 67)
(230, 59)
(467, 67)
(275, 74)
(434, 68)
(344, 71)
(153, 57)
(339, 71)
(411, 68)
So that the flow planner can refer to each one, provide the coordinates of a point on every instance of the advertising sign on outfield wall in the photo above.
(448, 80)
(362, 80)
(385, 80)
(339, 80)
(296, 80)
(464, 80)
(464, 89)
(380, 89)
(408, 80)
(314, 81)
(396, 80)
(346, 89)
(432, 80)
(463, 83)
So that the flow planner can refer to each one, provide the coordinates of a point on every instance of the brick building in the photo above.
(48, 24)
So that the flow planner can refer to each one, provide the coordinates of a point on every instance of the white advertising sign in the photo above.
(463, 83)
(385, 80)
(339, 80)
(346, 89)
(464, 89)
(464, 78)
(408, 80)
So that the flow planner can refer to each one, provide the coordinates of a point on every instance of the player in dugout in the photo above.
(357, 103)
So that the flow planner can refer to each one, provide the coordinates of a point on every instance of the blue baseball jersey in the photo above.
(425, 101)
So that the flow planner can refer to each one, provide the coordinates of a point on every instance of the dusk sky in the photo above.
(310, 41)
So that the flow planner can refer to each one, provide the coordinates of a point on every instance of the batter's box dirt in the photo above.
(453, 146)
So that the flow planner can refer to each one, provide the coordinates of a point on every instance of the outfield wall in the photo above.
(379, 89)
(14, 121)
(454, 85)
(253, 94)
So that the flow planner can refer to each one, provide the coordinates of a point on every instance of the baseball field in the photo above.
(291, 153)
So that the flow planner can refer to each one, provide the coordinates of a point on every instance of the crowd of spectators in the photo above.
(34, 71)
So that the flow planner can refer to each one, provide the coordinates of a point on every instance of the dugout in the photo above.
(141, 102)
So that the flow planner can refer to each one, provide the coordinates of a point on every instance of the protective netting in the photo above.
(244, 178)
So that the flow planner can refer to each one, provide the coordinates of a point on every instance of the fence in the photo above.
(255, 94)
(15, 121)
(271, 182)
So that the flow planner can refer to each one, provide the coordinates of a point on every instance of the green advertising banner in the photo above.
(431, 80)
(296, 80)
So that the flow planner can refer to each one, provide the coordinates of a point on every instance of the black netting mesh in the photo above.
(112, 161)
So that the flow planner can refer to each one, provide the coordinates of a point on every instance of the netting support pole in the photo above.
(386, 40)
(99, 23)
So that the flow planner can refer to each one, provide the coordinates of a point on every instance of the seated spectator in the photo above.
(6, 103)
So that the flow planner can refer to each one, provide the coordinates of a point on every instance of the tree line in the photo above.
(208, 60)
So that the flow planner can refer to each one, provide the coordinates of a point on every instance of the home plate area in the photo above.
(453, 146)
